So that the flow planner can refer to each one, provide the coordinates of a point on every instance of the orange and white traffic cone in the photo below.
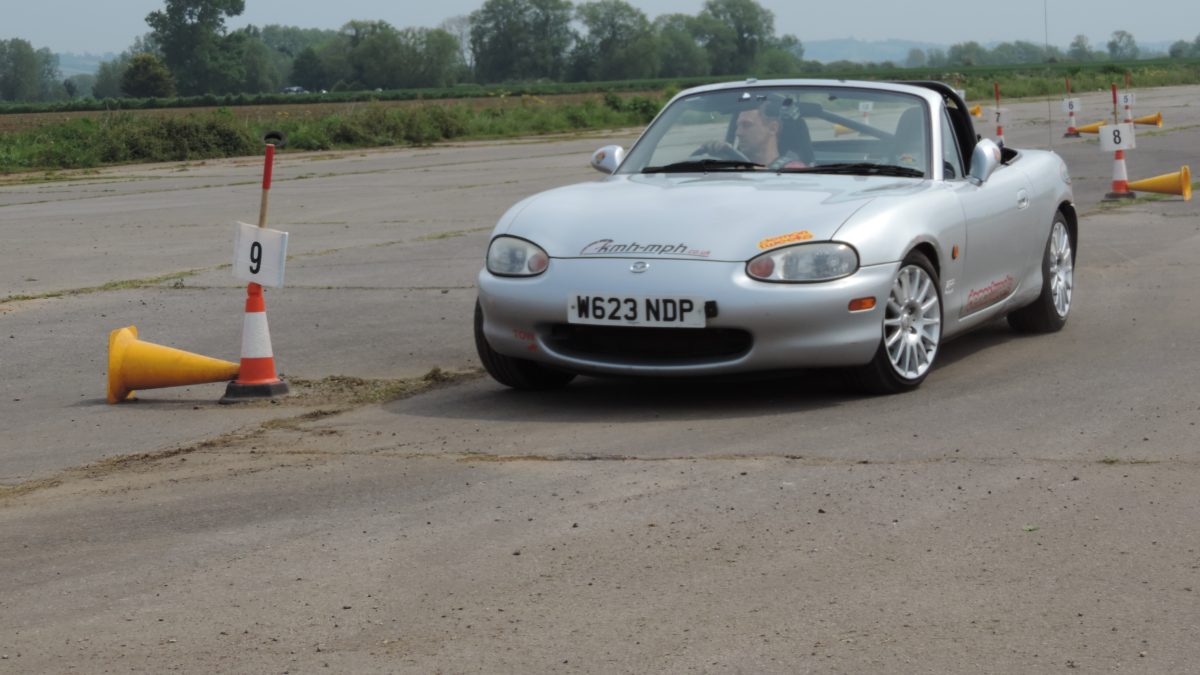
(257, 376)
(999, 116)
(1072, 132)
(1120, 181)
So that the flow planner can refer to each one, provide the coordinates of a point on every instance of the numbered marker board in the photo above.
(1128, 98)
(1117, 137)
(962, 93)
(1000, 115)
(1071, 105)
(259, 254)
(865, 106)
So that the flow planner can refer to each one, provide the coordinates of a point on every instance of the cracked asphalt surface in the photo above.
(1031, 508)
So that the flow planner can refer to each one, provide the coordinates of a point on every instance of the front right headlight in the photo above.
(515, 257)
(824, 261)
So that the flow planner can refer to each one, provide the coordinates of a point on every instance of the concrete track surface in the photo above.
(1032, 508)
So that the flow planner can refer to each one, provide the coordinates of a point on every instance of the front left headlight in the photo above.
(515, 257)
(804, 263)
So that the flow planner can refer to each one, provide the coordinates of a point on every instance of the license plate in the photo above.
(635, 310)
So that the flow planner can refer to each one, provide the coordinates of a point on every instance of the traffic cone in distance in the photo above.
(977, 111)
(257, 378)
(1155, 120)
(1178, 183)
(1120, 181)
(842, 130)
(1093, 128)
(135, 364)
(1072, 132)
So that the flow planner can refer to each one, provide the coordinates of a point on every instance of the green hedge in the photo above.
(1015, 79)
(127, 137)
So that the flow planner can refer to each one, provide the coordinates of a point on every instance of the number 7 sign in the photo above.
(259, 254)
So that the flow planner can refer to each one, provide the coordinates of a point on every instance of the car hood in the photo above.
(711, 217)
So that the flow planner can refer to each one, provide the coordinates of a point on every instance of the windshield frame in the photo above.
(640, 155)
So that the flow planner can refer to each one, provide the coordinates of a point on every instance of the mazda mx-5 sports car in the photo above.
(787, 224)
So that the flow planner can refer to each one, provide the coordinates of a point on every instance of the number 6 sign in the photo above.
(1117, 137)
(259, 254)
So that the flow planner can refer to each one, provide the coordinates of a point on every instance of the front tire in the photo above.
(1048, 314)
(912, 330)
(513, 372)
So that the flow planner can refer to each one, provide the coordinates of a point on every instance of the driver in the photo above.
(757, 135)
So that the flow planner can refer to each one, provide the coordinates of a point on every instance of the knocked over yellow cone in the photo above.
(134, 364)
(1093, 128)
(1178, 183)
(1155, 120)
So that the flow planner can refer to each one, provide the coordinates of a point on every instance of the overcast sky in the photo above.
(99, 26)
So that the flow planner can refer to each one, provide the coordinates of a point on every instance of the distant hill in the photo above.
(860, 51)
(81, 64)
(896, 51)
(1148, 48)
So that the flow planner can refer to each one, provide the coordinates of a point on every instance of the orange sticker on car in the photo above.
(772, 242)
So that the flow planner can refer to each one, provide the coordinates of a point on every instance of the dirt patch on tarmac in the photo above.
(326, 397)
(353, 391)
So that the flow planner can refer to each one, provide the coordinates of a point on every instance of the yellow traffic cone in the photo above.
(134, 364)
(1155, 119)
(977, 111)
(1093, 128)
(842, 130)
(1178, 183)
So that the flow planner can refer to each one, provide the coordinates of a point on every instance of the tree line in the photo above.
(1120, 47)
(190, 51)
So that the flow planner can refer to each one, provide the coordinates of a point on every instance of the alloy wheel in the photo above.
(912, 323)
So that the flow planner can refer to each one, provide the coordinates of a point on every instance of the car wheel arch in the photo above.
(929, 251)
(1068, 211)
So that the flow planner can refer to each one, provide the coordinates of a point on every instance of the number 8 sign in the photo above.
(259, 254)
(1117, 137)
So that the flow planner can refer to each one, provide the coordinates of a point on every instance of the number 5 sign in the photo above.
(1117, 137)
(259, 254)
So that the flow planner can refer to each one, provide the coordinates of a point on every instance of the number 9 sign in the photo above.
(1117, 137)
(259, 254)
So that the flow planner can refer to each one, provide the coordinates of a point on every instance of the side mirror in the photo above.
(608, 158)
(984, 160)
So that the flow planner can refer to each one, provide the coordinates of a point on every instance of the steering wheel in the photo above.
(720, 150)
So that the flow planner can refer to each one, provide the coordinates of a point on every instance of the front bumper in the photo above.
(788, 325)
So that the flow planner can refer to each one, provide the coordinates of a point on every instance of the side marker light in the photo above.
(862, 304)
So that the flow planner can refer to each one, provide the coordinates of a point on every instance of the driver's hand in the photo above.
(715, 148)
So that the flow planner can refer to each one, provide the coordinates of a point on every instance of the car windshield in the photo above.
(804, 129)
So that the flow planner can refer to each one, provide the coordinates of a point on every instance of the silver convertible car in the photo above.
(762, 226)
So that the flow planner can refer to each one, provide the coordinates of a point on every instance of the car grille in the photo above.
(649, 346)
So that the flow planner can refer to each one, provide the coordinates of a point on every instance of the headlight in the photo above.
(513, 257)
(805, 262)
